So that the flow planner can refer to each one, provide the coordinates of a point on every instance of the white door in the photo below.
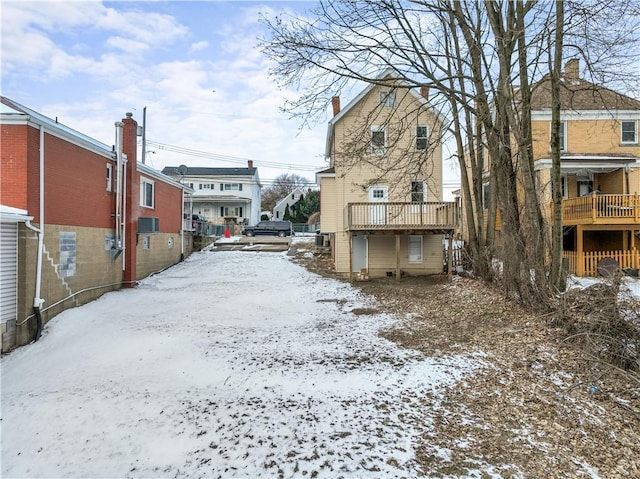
(378, 213)
(359, 260)
(8, 271)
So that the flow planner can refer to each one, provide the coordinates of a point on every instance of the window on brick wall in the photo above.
(109, 177)
(147, 193)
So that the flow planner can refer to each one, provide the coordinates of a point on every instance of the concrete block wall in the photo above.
(156, 251)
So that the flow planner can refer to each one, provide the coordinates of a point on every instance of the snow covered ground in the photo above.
(231, 364)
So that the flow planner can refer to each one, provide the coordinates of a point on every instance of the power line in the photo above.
(227, 158)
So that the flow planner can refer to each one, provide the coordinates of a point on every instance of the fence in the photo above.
(590, 259)
(305, 228)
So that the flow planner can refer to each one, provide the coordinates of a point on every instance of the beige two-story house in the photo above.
(600, 170)
(381, 197)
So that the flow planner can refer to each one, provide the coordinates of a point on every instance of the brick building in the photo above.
(79, 218)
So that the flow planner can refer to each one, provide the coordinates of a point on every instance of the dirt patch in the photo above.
(537, 408)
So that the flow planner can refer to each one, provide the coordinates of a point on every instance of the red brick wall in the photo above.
(75, 186)
(75, 179)
(13, 168)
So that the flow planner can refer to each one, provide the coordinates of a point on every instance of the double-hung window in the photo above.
(417, 192)
(629, 132)
(147, 193)
(562, 134)
(231, 187)
(422, 140)
(378, 140)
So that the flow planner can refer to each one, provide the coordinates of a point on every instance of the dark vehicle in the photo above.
(198, 224)
(273, 228)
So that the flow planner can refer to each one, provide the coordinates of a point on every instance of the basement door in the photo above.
(8, 272)
(359, 259)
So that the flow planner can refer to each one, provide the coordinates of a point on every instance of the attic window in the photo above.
(388, 98)
(629, 132)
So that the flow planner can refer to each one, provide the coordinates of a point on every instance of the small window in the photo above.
(146, 193)
(378, 140)
(231, 187)
(200, 186)
(629, 132)
(378, 193)
(417, 191)
(388, 98)
(421, 138)
(415, 248)
(109, 177)
(486, 191)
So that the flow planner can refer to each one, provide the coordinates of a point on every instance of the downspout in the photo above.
(182, 226)
(116, 249)
(37, 300)
(124, 210)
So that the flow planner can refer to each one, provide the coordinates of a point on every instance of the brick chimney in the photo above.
(572, 69)
(424, 91)
(335, 102)
(249, 164)
(132, 213)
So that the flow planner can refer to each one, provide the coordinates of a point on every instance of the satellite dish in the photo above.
(182, 170)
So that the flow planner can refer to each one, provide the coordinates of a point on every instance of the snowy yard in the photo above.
(231, 364)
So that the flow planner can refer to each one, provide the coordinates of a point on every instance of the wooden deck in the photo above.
(401, 216)
(601, 210)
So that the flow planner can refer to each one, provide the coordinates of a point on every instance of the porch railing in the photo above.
(602, 209)
(401, 215)
(589, 260)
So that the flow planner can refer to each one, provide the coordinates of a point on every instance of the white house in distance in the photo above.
(222, 193)
(281, 205)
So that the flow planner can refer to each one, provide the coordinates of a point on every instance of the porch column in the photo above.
(397, 257)
(350, 257)
(636, 254)
(579, 251)
(450, 257)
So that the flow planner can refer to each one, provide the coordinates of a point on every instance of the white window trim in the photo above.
(635, 132)
(415, 259)
(143, 182)
(377, 150)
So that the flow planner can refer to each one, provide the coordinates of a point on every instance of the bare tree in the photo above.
(281, 186)
(481, 61)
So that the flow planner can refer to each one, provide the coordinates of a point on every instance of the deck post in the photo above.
(579, 251)
(350, 257)
(636, 209)
(397, 257)
(593, 206)
(450, 257)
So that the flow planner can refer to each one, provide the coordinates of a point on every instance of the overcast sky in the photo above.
(194, 65)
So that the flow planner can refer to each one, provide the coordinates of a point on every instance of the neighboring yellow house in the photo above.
(381, 197)
(600, 170)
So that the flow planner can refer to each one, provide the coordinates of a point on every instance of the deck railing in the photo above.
(601, 209)
(401, 215)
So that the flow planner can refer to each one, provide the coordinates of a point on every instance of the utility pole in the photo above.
(144, 135)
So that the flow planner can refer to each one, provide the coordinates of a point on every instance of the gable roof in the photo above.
(286, 198)
(386, 74)
(12, 112)
(579, 94)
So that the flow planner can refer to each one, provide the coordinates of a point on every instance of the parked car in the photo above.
(198, 224)
(273, 228)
